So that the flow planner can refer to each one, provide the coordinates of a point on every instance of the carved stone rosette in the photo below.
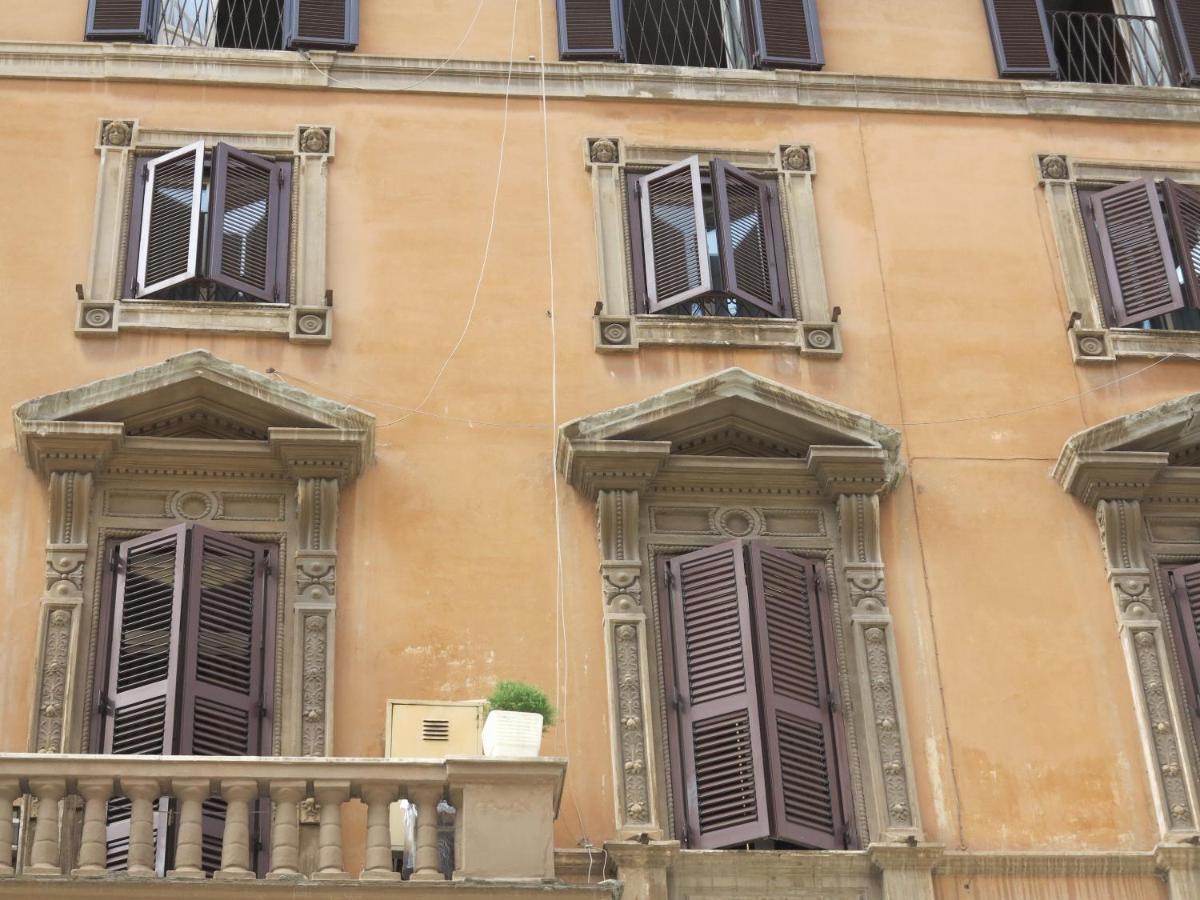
(316, 601)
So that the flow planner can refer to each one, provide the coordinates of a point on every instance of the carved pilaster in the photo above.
(629, 639)
(318, 512)
(858, 529)
(316, 593)
(314, 684)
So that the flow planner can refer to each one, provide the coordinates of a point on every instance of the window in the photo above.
(186, 670)
(209, 226)
(1139, 42)
(1183, 584)
(757, 739)
(707, 242)
(1144, 237)
(730, 34)
(242, 24)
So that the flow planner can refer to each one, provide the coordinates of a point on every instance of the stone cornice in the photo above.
(609, 81)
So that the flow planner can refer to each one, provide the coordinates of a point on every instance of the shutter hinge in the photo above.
(145, 173)
(279, 176)
(275, 293)
(113, 560)
(104, 705)
(260, 710)
(832, 704)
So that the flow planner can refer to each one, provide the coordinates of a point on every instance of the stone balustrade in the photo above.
(504, 828)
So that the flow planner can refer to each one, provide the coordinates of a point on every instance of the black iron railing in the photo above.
(1106, 48)
(688, 33)
(244, 24)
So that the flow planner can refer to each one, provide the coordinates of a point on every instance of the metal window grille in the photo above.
(1107, 48)
(714, 33)
(242, 24)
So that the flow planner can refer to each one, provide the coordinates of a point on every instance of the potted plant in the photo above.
(518, 713)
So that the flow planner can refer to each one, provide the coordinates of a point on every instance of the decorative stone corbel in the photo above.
(1180, 863)
(316, 602)
(628, 655)
(642, 868)
(907, 869)
(891, 808)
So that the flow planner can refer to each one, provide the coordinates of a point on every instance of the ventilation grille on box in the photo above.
(435, 729)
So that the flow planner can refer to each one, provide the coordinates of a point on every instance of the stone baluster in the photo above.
(189, 843)
(285, 833)
(9, 791)
(143, 794)
(377, 863)
(425, 865)
(44, 856)
(330, 796)
(93, 848)
(235, 845)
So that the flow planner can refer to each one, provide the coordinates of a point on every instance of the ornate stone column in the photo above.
(626, 647)
(891, 806)
(316, 600)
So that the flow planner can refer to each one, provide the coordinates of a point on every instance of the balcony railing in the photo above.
(503, 829)
(1106, 48)
(245, 24)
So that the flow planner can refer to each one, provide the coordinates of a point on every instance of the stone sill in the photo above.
(566, 80)
(300, 324)
(1108, 345)
(625, 334)
(122, 886)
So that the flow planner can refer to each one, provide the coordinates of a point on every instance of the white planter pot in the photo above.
(507, 733)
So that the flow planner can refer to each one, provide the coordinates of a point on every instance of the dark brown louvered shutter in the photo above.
(120, 20)
(144, 665)
(1184, 16)
(1184, 584)
(674, 238)
(1137, 255)
(718, 713)
(247, 224)
(590, 29)
(169, 244)
(320, 24)
(1183, 217)
(794, 649)
(786, 35)
(742, 205)
(1021, 38)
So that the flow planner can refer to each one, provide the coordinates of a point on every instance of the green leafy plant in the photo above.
(517, 696)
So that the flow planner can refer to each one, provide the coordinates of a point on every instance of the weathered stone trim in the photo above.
(316, 593)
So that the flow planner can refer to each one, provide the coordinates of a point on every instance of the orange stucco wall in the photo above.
(936, 247)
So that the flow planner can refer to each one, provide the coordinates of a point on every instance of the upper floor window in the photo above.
(1137, 42)
(243, 24)
(728, 34)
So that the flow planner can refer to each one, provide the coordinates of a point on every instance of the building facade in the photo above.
(717, 366)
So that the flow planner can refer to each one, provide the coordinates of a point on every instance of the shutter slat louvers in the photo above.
(1137, 253)
(590, 29)
(1184, 16)
(742, 206)
(1184, 583)
(321, 24)
(171, 219)
(674, 237)
(1183, 217)
(245, 223)
(787, 34)
(119, 20)
(1021, 38)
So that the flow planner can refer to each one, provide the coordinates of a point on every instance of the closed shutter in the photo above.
(320, 24)
(1184, 583)
(170, 238)
(1137, 254)
(786, 34)
(1184, 16)
(120, 20)
(1183, 217)
(674, 238)
(794, 651)
(744, 219)
(718, 712)
(248, 223)
(1021, 38)
(590, 29)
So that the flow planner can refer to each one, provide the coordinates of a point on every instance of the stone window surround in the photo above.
(1091, 339)
(618, 328)
(102, 311)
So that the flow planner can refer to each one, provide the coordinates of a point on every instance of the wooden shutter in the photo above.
(121, 20)
(1137, 254)
(1184, 584)
(169, 243)
(794, 648)
(742, 204)
(320, 24)
(1184, 16)
(718, 712)
(674, 239)
(786, 34)
(590, 29)
(248, 223)
(1021, 38)
(1183, 218)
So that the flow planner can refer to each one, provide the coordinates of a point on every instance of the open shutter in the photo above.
(674, 239)
(1021, 38)
(590, 29)
(794, 668)
(1183, 217)
(748, 263)
(144, 666)
(320, 24)
(1184, 583)
(1184, 16)
(718, 713)
(169, 244)
(786, 34)
(247, 223)
(1137, 254)
(120, 20)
